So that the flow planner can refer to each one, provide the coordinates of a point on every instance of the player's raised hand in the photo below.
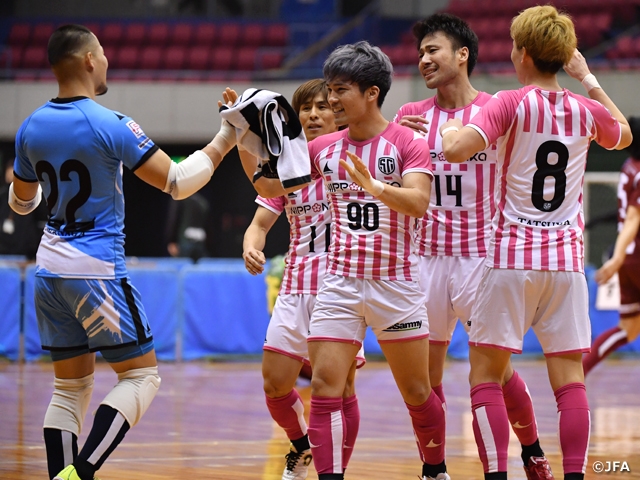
(361, 175)
(229, 96)
(225, 140)
(254, 261)
(416, 123)
(577, 67)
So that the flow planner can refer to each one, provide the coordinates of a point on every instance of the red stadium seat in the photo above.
(229, 35)
(110, 53)
(222, 58)
(246, 59)
(252, 35)
(20, 34)
(158, 34)
(112, 34)
(95, 29)
(198, 58)
(34, 57)
(205, 34)
(41, 33)
(277, 35)
(271, 60)
(11, 57)
(127, 57)
(134, 34)
(174, 57)
(151, 57)
(181, 34)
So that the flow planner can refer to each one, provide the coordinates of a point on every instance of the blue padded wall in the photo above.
(10, 299)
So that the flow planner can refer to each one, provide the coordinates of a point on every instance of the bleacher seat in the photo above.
(271, 60)
(134, 34)
(158, 34)
(151, 57)
(181, 34)
(174, 57)
(198, 58)
(20, 34)
(112, 34)
(246, 59)
(276, 35)
(623, 48)
(11, 57)
(40, 34)
(252, 35)
(205, 34)
(127, 57)
(222, 58)
(95, 28)
(34, 57)
(228, 35)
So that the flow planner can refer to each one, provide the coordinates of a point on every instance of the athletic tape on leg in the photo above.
(133, 393)
(69, 404)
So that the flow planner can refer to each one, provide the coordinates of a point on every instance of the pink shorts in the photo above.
(554, 304)
(289, 327)
(450, 285)
(394, 309)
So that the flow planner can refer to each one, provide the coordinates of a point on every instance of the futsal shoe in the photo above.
(440, 476)
(69, 473)
(297, 464)
(538, 468)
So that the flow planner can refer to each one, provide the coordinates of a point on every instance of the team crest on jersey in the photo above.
(326, 169)
(387, 165)
(135, 128)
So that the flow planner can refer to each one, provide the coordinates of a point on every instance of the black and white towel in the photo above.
(268, 127)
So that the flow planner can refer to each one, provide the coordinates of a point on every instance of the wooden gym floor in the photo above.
(209, 421)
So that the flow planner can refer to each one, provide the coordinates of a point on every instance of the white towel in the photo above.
(269, 128)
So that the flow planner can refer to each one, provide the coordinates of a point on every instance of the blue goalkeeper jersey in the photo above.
(76, 149)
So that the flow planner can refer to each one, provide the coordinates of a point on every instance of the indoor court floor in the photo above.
(209, 421)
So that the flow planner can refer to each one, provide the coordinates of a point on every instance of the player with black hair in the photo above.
(71, 151)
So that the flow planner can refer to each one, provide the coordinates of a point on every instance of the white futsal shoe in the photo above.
(297, 464)
(440, 476)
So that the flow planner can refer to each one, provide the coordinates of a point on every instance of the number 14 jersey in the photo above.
(369, 240)
(458, 222)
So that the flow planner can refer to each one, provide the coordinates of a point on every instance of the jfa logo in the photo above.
(611, 466)
(387, 165)
(135, 128)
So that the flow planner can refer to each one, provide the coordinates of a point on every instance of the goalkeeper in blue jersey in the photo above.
(71, 151)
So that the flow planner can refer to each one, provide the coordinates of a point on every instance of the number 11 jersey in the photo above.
(76, 149)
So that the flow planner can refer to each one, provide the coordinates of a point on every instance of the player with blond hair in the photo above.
(534, 274)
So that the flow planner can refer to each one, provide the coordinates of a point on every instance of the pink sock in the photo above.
(603, 345)
(574, 423)
(288, 412)
(439, 391)
(351, 413)
(429, 427)
(490, 426)
(326, 434)
(520, 410)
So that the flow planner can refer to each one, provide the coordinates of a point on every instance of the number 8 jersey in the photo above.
(542, 138)
(369, 240)
(76, 149)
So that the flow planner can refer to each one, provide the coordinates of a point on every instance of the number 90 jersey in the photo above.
(309, 236)
(458, 222)
(542, 138)
(369, 240)
(76, 149)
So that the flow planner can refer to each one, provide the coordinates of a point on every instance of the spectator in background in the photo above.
(187, 227)
(625, 260)
(20, 234)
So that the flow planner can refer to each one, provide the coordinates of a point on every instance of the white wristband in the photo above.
(23, 207)
(449, 129)
(589, 82)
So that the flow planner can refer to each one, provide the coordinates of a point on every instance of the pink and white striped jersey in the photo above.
(310, 233)
(369, 240)
(542, 138)
(458, 222)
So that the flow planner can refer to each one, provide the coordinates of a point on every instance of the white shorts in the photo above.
(289, 327)
(509, 302)
(395, 310)
(450, 284)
